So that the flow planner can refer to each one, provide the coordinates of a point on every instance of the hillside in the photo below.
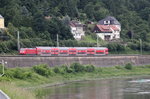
(40, 20)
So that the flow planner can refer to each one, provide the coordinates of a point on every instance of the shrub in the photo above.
(69, 70)
(66, 69)
(51, 72)
(56, 70)
(41, 70)
(147, 66)
(90, 68)
(1, 69)
(76, 67)
(118, 67)
(99, 69)
(18, 73)
(128, 66)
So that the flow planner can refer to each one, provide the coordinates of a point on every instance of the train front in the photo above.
(22, 51)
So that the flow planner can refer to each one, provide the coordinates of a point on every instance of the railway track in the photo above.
(110, 55)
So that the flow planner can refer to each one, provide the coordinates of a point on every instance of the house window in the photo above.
(106, 22)
(107, 37)
(74, 30)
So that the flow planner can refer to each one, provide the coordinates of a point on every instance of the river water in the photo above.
(117, 88)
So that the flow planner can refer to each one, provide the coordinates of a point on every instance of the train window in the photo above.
(54, 50)
(81, 52)
(99, 51)
(63, 52)
(72, 50)
(45, 51)
(90, 51)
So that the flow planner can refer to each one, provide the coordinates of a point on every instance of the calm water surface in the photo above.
(126, 88)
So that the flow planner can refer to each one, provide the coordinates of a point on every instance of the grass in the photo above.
(93, 39)
(21, 82)
(15, 92)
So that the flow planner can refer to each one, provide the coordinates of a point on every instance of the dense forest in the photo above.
(38, 22)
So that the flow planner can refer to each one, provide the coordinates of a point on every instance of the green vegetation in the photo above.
(39, 21)
(128, 66)
(20, 80)
(15, 92)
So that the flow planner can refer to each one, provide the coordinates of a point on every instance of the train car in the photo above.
(90, 51)
(106, 51)
(43, 51)
(72, 51)
(28, 51)
(65, 51)
(100, 51)
(54, 51)
(81, 51)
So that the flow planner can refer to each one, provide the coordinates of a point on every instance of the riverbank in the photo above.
(28, 81)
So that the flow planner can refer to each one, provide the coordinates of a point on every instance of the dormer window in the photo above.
(106, 22)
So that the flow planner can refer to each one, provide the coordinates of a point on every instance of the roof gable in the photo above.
(113, 21)
(75, 23)
(1, 16)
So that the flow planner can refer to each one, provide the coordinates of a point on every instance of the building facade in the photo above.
(108, 28)
(2, 26)
(77, 29)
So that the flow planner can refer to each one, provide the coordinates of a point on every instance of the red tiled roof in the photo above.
(107, 28)
(75, 24)
(71, 24)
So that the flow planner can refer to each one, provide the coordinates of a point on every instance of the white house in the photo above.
(108, 28)
(2, 26)
(77, 29)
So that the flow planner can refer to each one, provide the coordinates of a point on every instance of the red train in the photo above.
(65, 51)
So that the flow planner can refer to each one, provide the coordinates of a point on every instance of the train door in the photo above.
(38, 51)
(90, 51)
(54, 51)
(106, 51)
(43, 51)
(72, 52)
(63, 51)
(99, 51)
(31, 51)
(81, 51)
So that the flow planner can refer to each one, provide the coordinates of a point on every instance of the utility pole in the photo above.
(57, 41)
(3, 68)
(18, 40)
(141, 47)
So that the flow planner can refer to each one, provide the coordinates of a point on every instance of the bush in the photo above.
(57, 70)
(66, 69)
(51, 72)
(76, 67)
(18, 73)
(118, 67)
(90, 68)
(41, 70)
(99, 69)
(69, 70)
(128, 66)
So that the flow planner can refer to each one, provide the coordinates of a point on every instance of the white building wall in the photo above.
(114, 35)
(2, 23)
(102, 35)
(77, 32)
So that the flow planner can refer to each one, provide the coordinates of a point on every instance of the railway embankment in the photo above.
(102, 61)
(20, 83)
